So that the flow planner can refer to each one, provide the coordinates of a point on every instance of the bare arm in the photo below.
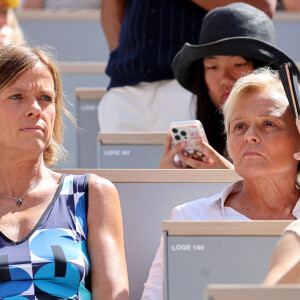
(31, 4)
(112, 13)
(285, 261)
(268, 6)
(105, 242)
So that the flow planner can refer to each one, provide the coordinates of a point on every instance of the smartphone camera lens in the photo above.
(174, 130)
(183, 133)
(177, 137)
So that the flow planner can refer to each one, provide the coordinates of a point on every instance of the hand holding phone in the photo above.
(189, 132)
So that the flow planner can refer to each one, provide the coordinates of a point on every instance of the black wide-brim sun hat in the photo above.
(237, 29)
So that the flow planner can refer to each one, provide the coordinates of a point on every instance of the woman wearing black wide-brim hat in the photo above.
(234, 40)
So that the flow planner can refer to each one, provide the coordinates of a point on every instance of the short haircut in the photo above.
(259, 80)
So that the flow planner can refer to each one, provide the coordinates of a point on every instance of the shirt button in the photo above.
(150, 41)
(148, 71)
(152, 10)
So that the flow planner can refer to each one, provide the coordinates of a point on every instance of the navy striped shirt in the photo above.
(152, 32)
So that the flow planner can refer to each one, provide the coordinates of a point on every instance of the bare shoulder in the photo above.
(102, 193)
(101, 186)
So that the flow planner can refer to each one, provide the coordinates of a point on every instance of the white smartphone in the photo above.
(189, 131)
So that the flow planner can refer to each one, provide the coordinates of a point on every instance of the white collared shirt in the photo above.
(204, 209)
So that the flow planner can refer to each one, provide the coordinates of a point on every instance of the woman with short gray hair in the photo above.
(262, 138)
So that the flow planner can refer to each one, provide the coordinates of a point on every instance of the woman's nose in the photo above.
(252, 135)
(34, 109)
(227, 78)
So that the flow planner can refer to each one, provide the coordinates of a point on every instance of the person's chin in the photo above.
(35, 145)
(251, 169)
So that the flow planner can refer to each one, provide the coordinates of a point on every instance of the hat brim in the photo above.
(184, 67)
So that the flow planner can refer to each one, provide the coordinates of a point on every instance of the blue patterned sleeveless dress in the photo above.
(52, 261)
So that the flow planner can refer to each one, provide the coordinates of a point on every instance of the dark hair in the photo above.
(210, 117)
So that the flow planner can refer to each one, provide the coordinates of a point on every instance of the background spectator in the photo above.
(232, 43)
(10, 31)
(143, 37)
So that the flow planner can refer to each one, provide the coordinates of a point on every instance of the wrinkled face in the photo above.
(27, 112)
(220, 74)
(262, 135)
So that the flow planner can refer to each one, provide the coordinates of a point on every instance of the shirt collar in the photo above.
(296, 210)
(221, 198)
